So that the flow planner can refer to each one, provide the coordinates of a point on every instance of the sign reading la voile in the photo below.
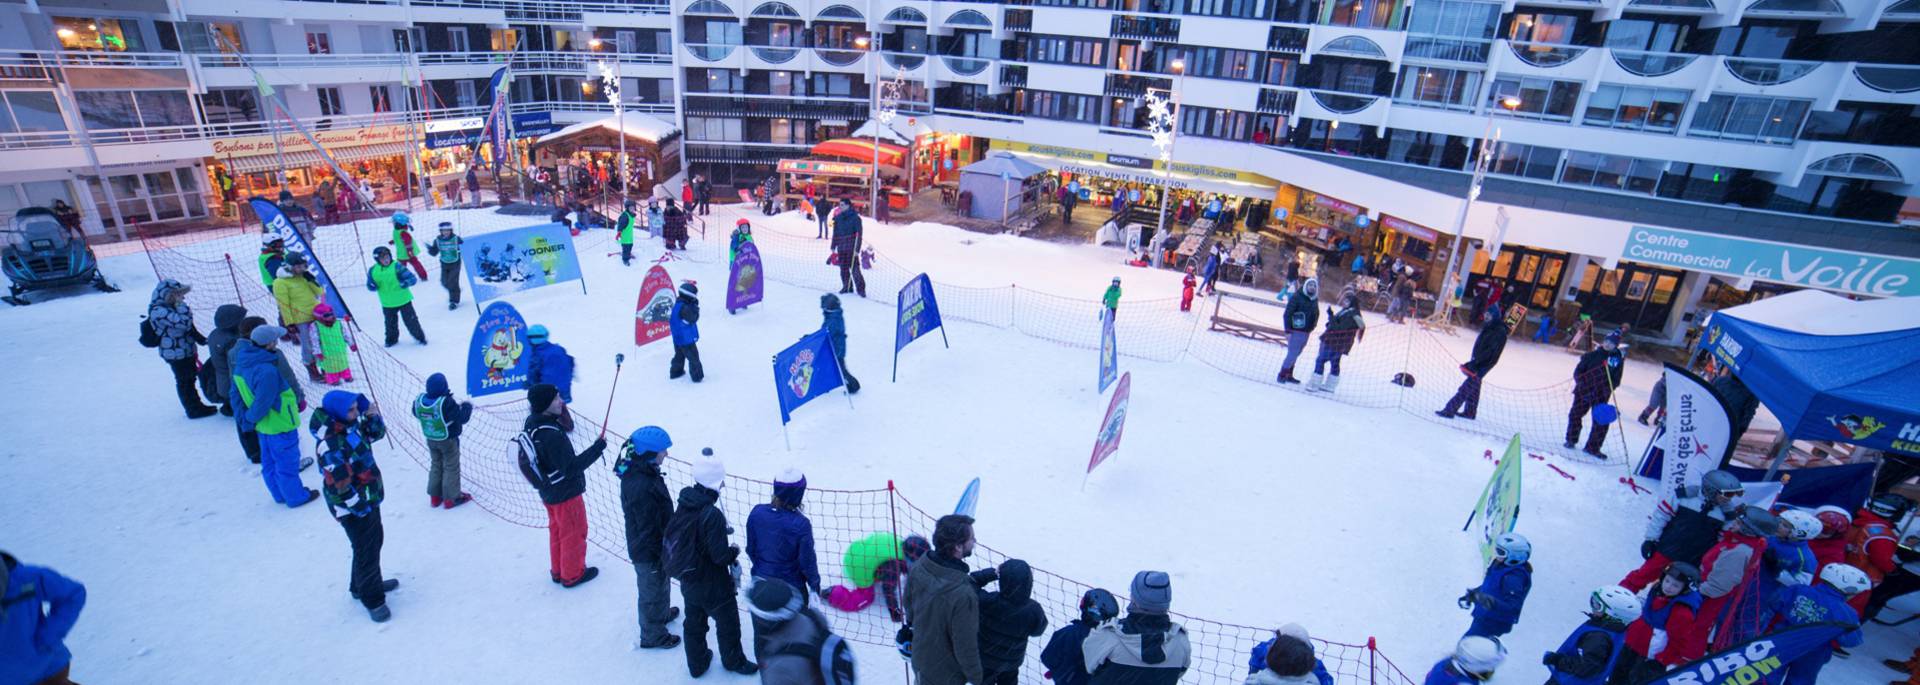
(244, 146)
(1765, 260)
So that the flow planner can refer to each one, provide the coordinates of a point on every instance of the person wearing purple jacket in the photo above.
(780, 538)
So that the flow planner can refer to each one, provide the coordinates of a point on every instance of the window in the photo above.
(403, 40)
(787, 131)
(1696, 182)
(628, 41)
(230, 105)
(153, 196)
(710, 128)
(832, 85)
(1205, 62)
(1427, 149)
(1866, 123)
(98, 34)
(1530, 161)
(464, 94)
(1375, 14)
(1539, 97)
(720, 32)
(1650, 109)
(1455, 30)
(1612, 172)
(1648, 34)
(786, 83)
(1244, 9)
(457, 39)
(1540, 27)
(1749, 117)
(1761, 39)
(1088, 52)
(30, 111)
(330, 104)
(1062, 106)
(1208, 122)
(115, 109)
(1437, 87)
(317, 41)
(381, 97)
(1281, 69)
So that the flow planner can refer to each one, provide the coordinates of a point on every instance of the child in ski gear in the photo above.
(172, 319)
(1487, 347)
(268, 406)
(656, 221)
(549, 362)
(1824, 601)
(1685, 525)
(1344, 328)
(548, 462)
(1589, 654)
(888, 575)
(645, 501)
(742, 234)
(1594, 378)
(1289, 662)
(674, 227)
(346, 427)
(1008, 618)
(331, 343)
(1145, 647)
(446, 246)
(1730, 565)
(297, 290)
(684, 323)
(273, 255)
(1497, 602)
(1871, 543)
(1788, 560)
(1473, 661)
(1257, 660)
(1210, 274)
(226, 325)
(624, 232)
(1111, 298)
(1830, 547)
(1662, 637)
(441, 419)
(396, 297)
(699, 556)
(780, 538)
(1302, 316)
(834, 320)
(797, 646)
(1065, 663)
(1656, 400)
(38, 607)
(1582, 334)
(1186, 290)
(405, 251)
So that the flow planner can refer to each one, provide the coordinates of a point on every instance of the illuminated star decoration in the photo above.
(891, 91)
(610, 83)
(1160, 122)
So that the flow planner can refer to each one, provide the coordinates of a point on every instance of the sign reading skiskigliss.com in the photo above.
(1765, 260)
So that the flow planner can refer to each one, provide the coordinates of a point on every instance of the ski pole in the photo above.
(618, 360)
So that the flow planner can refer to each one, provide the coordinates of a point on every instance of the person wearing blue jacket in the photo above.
(1496, 603)
(267, 405)
(1065, 663)
(1258, 659)
(37, 610)
(835, 321)
(549, 363)
(684, 323)
(1821, 602)
(780, 538)
(1591, 652)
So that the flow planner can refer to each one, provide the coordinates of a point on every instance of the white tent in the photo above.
(889, 134)
(1818, 312)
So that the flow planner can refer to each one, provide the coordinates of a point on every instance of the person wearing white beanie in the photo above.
(699, 556)
(711, 473)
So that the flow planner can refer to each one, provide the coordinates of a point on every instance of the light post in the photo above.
(883, 109)
(1162, 114)
(610, 82)
(1456, 267)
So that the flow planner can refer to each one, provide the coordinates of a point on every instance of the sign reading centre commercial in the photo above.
(1765, 260)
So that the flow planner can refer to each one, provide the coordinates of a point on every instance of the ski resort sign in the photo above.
(1765, 260)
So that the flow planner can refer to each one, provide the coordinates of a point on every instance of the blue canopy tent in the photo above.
(1829, 368)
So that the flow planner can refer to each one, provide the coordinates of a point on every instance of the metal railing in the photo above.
(53, 59)
(301, 60)
(1769, 72)
(1545, 54)
(1644, 63)
(1888, 78)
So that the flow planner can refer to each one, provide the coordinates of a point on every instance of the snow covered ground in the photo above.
(1267, 505)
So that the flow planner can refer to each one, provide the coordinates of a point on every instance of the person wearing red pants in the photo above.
(405, 250)
(1729, 565)
(549, 463)
(1685, 526)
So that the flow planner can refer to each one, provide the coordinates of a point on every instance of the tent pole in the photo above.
(1779, 457)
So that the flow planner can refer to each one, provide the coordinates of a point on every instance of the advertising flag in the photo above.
(1752, 661)
(651, 317)
(1696, 436)
(918, 312)
(497, 360)
(495, 128)
(1109, 352)
(745, 284)
(804, 371)
(520, 259)
(275, 222)
(1108, 441)
(969, 499)
(1499, 505)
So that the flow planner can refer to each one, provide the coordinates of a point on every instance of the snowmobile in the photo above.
(41, 254)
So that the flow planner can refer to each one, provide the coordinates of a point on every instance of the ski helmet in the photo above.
(1478, 656)
(271, 239)
(401, 219)
(382, 251)
(446, 225)
(742, 222)
(1804, 525)
(1687, 573)
(1759, 521)
(1614, 602)
(1888, 506)
(1512, 548)
(1718, 483)
(1098, 606)
(649, 439)
(1849, 580)
(1833, 520)
(537, 333)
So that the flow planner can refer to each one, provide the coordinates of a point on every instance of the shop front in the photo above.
(831, 170)
(585, 158)
(374, 154)
(1523, 275)
(1101, 178)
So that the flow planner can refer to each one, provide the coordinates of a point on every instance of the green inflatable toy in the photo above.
(866, 555)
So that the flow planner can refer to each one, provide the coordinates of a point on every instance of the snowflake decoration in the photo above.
(891, 92)
(1160, 122)
(610, 83)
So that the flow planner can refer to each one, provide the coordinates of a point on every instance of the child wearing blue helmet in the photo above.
(1496, 603)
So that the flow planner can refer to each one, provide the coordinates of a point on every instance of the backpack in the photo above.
(827, 651)
(149, 336)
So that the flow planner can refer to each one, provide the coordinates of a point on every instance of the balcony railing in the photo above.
(29, 60)
(300, 61)
(1148, 28)
(1276, 101)
(710, 53)
(1341, 103)
(1287, 39)
(966, 66)
(1769, 72)
(1129, 86)
(1546, 54)
(1888, 78)
(563, 11)
(1447, 49)
(1641, 63)
(1013, 75)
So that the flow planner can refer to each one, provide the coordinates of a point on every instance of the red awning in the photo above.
(861, 150)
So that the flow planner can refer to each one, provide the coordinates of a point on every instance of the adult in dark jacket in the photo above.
(699, 556)
(943, 610)
(675, 229)
(549, 363)
(780, 538)
(647, 504)
(702, 195)
(846, 248)
(835, 321)
(1146, 647)
(1487, 347)
(548, 462)
(172, 319)
(40, 608)
(1008, 618)
(1344, 328)
(441, 420)
(1686, 524)
(1062, 657)
(1594, 378)
(1301, 317)
(684, 323)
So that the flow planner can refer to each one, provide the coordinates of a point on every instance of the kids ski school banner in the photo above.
(274, 222)
(1108, 440)
(1499, 506)
(497, 358)
(803, 372)
(1696, 436)
(1751, 661)
(917, 314)
(506, 262)
(652, 315)
(745, 284)
(1109, 352)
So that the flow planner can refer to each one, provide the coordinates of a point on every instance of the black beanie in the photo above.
(773, 600)
(541, 396)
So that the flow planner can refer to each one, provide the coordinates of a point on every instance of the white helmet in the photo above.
(1847, 579)
(1803, 523)
(1615, 602)
(1512, 548)
(1478, 656)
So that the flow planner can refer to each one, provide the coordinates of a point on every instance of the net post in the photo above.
(1372, 650)
(893, 524)
(232, 275)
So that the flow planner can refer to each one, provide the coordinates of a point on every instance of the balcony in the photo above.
(1287, 39)
(775, 55)
(965, 66)
(903, 61)
(1017, 20)
(1546, 55)
(1447, 49)
(1274, 101)
(1340, 103)
(1146, 28)
(1014, 76)
(775, 106)
(1769, 72)
(39, 64)
(542, 11)
(712, 53)
(1888, 78)
(305, 61)
(1652, 64)
(1129, 86)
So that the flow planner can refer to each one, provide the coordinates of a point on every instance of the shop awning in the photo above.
(858, 149)
(1149, 176)
(300, 159)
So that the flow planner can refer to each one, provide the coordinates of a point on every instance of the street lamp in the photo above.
(610, 81)
(883, 109)
(1457, 268)
(1162, 111)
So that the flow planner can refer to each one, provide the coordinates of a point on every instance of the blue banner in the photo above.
(533, 124)
(918, 312)
(273, 221)
(804, 371)
(1109, 352)
(495, 128)
(520, 259)
(1804, 266)
(461, 138)
(497, 360)
(1751, 661)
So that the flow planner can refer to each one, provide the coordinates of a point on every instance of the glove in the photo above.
(355, 348)
(303, 405)
(1550, 659)
(1647, 548)
(601, 444)
(984, 576)
(1466, 600)
(903, 640)
(826, 594)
